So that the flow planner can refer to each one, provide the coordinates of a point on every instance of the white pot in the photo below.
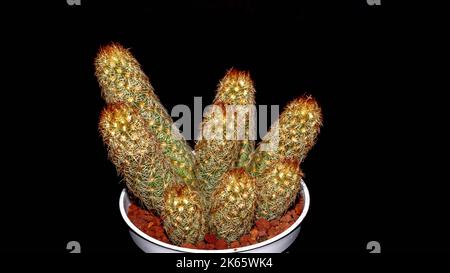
(276, 244)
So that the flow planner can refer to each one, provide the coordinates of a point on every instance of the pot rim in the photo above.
(123, 212)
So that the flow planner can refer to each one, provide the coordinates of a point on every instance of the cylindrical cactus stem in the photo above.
(122, 80)
(136, 154)
(184, 214)
(233, 205)
(237, 89)
(215, 153)
(173, 145)
(236, 98)
(292, 135)
(278, 187)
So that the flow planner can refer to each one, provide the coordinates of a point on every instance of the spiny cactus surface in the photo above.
(229, 182)
(237, 89)
(184, 214)
(292, 135)
(233, 205)
(136, 154)
(235, 97)
(278, 188)
(214, 153)
(122, 80)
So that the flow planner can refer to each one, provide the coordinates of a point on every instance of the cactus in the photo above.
(122, 80)
(233, 205)
(236, 88)
(136, 154)
(295, 133)
(214, 153)
(278, 188)
(215, 157)
(237, 183)
(184, 214)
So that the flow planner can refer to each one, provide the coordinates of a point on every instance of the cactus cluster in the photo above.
(229, 183)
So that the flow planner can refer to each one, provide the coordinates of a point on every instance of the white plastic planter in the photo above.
(276, 244)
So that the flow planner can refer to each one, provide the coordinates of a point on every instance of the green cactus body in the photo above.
(278, 188)
(172, 143)
(214, 153)
(233, 205)
(122, 80)
(184, 214)
(296, 132)
(237, 89)
(215, 157)
(136, 154)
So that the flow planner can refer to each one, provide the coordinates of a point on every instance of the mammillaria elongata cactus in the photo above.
(278, 188)
(136, 154)
(237, 89)
(233, 205)
(214, 157)
(122, 80)
(238, 183)
(292, 135)
(215, 154)
(184, 214)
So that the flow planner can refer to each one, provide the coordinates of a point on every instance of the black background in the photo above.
(366, 174)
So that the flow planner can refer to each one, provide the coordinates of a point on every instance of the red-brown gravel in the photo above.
(152, 225)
